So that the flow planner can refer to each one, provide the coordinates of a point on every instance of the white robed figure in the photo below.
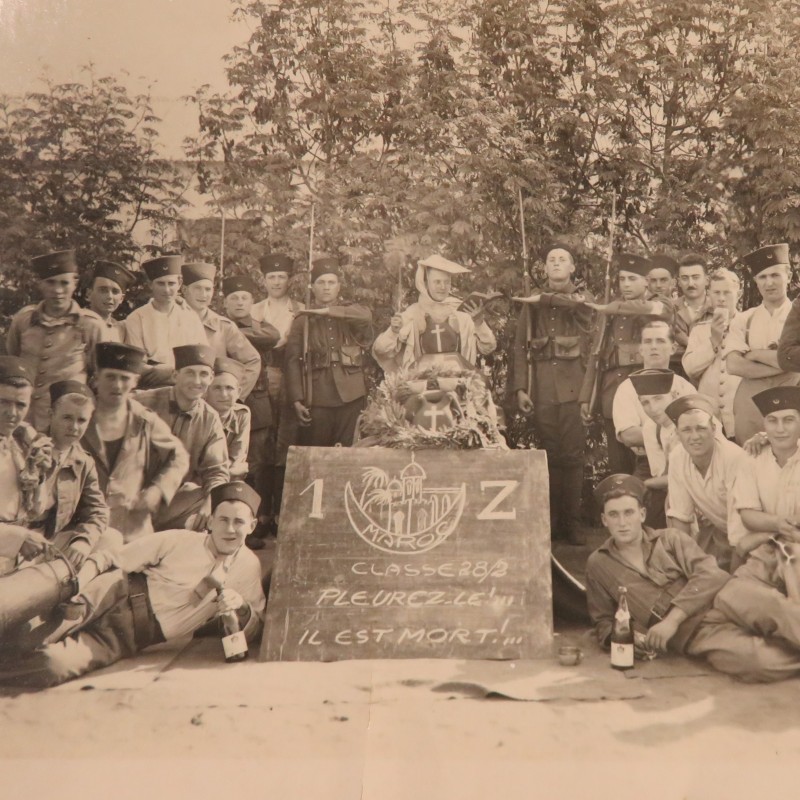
(434, 324)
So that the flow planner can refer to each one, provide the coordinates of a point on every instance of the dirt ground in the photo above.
(181, 722)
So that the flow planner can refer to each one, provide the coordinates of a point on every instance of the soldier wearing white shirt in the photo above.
(633, 426)
(751, 348)
(704, 359)
(165, 322)
(701, 475)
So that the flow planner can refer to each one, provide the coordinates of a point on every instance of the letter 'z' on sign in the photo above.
(386, 553)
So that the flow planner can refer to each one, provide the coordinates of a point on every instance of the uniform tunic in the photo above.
(227, 341)
(199, 430)
(157, 332)
(756, 329)
(55, 349)
(707, 368)
(236, 424)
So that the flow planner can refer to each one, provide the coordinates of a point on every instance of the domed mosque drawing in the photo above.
(399, 514)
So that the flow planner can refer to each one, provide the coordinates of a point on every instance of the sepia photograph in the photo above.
(400, 399)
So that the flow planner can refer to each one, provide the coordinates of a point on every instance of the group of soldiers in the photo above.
(123, 442)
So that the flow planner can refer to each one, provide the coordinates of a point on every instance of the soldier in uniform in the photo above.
(140, 464)
(616, 349)
(223, 396)
(675, 595)
(552, 336)
(704, 359)
(694, 305)
(239, 291)
(171, 585)
(751, 347)
(225, 338)
(55, 338)
(324, 375)
(701, 477)
(106, 292)
(163, 323)
(278, 309)
(661, 278)
(437, 316)
(197, 426)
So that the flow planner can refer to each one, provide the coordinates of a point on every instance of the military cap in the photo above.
(230, 366)
(652, 381)
(778, 398)
(193, 355)
(14, 369)
(768, 256)
(690, 402)
(276, 262)
(238, 283)
(325, 265)
(114, 272)
(162, 266)
(619, 485)
(111, 355)
(663, 261)
(236, 490)
(49, 265)
(628, 262)
(60, 388)
(558, 245)
(443, 264)
(197, 271)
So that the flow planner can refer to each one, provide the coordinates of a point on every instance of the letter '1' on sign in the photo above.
(386, 553)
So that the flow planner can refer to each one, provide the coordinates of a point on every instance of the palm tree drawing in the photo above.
(378, 491)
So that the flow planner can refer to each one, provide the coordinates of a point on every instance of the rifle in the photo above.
(308, 378)
(526, 281)
(600, 340)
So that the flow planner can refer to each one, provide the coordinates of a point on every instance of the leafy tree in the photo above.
(80, 168)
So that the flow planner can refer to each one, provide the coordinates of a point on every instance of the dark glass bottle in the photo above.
(622, 634)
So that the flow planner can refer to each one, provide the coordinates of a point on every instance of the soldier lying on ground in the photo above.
(674, 591)
(170, 585)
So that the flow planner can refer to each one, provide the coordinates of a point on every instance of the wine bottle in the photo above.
(234, 643)
(622, 634)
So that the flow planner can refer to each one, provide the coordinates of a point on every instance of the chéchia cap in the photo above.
(238, 283)
(197, 271)
(49, 265)
(325, 265)
(230, 366)
(162, 266)
(114, 272)
(663, 261)
(236, 490)
(778, 398)
(559, 245)
(690, 402)
(111, 355)
(629, 262)
(193, 355)
(443, 264)
(619, 485)
(13, 368)
(276, 262)
(768, 256)
(652, 381)
(60, 388)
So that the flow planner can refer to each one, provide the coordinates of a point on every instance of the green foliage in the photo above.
(79, 167)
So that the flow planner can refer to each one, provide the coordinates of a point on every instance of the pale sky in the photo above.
(177, 45)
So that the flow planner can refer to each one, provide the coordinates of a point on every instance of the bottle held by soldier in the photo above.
(622, 634)
(234, 643)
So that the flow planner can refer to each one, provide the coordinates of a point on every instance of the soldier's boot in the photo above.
(571, 494)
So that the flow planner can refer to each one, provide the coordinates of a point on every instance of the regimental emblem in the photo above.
(400, 514)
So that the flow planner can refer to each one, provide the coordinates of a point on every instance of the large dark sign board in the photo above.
(388, 553)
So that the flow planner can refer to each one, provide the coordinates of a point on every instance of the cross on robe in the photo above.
(437, 331)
